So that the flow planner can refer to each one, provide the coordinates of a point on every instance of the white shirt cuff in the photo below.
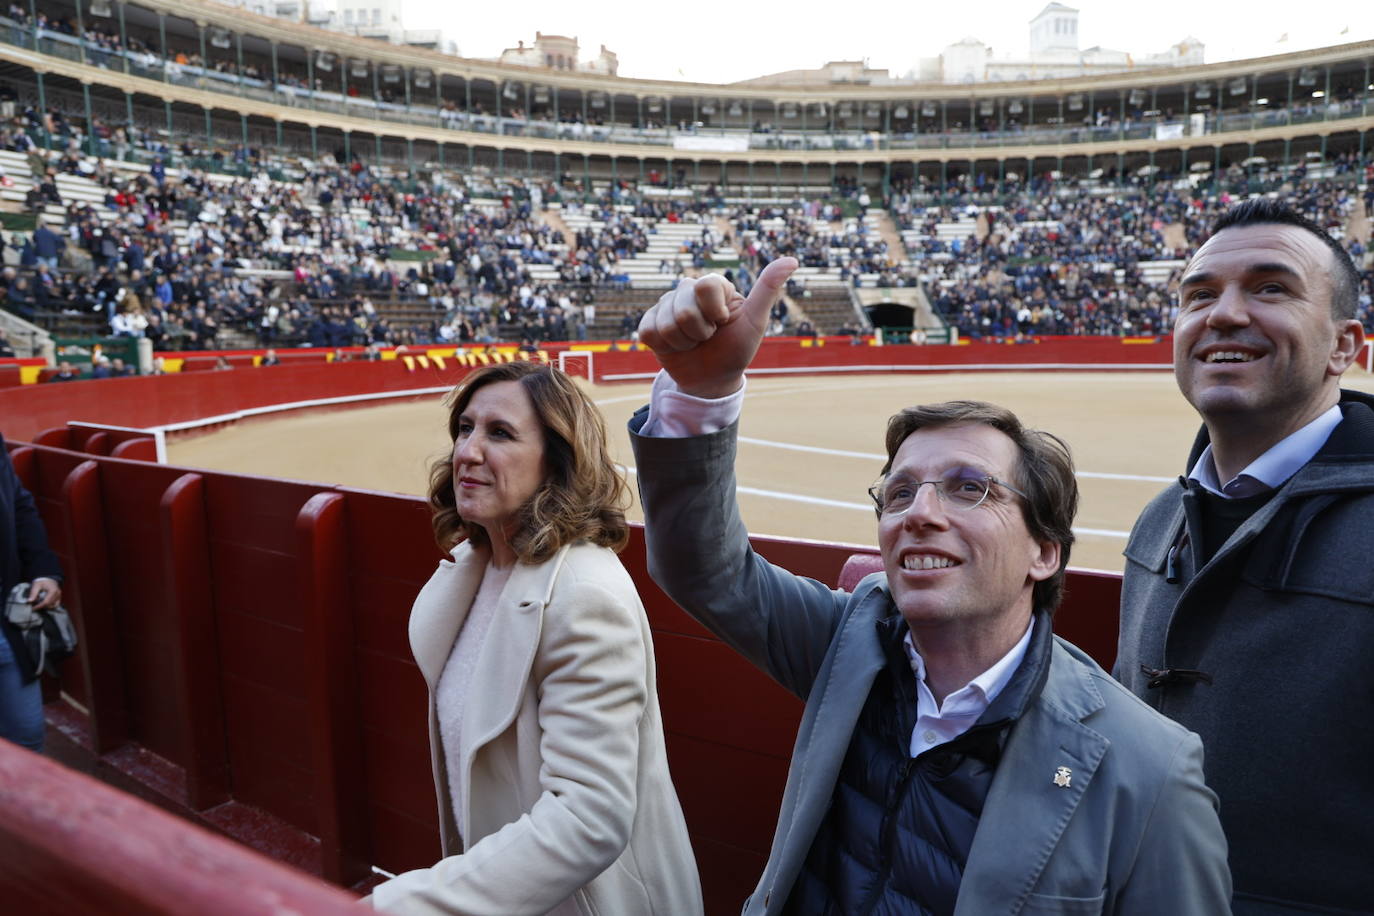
(674, 415)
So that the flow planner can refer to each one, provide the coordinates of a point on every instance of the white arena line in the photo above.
(813, 449)
(1101, 533)
(295, 405)
(749, 395)
(798, 498)
(1095, 475)
(868, 507)
(873, 456)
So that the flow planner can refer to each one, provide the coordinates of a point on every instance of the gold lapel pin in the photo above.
(1062, 777)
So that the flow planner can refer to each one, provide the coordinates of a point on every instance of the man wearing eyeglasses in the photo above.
(954, 756)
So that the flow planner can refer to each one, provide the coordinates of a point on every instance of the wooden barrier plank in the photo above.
(729, 874)
(88, 595)
(254, 561)
(196, 665)
(1091, 613)
(401, 842)
(728, 793)
(763, 716)
(391, 553)
(97, 443)
(257, 649)
(22, 457)
(132, 494)
(144, 449)
(332, 675)
(269, 751)
(57, 437)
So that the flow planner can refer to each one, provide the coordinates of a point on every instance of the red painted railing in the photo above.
(74, 845)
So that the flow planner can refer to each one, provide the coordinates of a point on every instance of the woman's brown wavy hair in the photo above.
(584, 496)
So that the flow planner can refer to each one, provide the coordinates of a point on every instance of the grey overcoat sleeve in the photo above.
(699, 554)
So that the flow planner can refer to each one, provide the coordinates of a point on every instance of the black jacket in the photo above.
(899, 829)
(24, 552)
(1265, 651)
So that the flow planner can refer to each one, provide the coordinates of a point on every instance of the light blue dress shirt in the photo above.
(1270, 470)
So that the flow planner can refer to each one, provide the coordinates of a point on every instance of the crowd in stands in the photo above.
(323, 254)
(1060, 257)
(302, 261)
(817, 234)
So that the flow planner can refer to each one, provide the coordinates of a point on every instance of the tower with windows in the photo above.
(1055, 29)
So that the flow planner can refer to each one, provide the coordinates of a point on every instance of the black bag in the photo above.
(47, 635)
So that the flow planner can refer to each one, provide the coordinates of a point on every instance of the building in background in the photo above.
(383, 20)
(836, 72)
(1053, 54)
(559, 52)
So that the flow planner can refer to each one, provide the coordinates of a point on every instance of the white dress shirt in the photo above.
(674, 415)
(939, 723)
(1270, 470)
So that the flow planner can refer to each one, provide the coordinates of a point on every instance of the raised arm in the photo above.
(705, 333)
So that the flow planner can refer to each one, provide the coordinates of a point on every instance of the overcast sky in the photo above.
(719, 42)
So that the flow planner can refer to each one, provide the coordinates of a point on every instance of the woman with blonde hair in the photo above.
(545, 732)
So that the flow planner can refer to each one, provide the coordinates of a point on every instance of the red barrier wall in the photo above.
(840, 355)
(194, 593)
(10, 376)
(159, 400)
(120, 443)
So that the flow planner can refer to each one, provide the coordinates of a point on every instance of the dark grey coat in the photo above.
(24, 553)
(1282, 622)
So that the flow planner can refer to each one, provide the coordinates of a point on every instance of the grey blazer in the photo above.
(1135, 830)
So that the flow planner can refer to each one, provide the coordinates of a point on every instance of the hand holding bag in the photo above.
(48, 634)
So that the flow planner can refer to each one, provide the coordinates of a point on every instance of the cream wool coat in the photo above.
(568, 789)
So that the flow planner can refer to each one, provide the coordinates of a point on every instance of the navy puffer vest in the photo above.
(899, 828)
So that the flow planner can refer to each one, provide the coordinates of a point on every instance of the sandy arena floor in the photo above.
(811, 446)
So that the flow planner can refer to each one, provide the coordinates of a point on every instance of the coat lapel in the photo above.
(1027, 808)
(503, 667)
(442, 606)
(500, 678)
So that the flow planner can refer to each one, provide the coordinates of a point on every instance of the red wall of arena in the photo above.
(157, 400)
(839, 354)
(244, 658)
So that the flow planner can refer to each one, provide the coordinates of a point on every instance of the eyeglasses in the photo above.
(962, 488)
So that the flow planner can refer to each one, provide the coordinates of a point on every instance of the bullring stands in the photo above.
(294, 186)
